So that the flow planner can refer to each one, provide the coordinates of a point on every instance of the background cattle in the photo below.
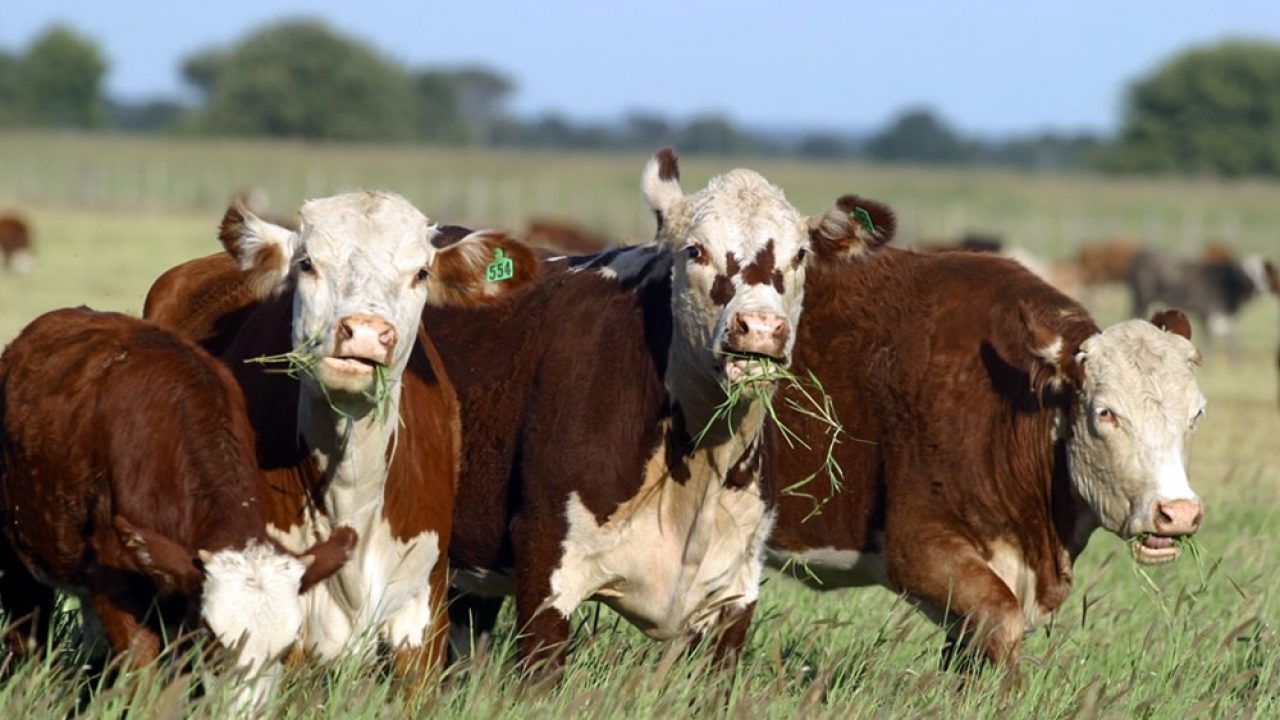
(363, 429)
(989, 429)
(564, 236)
(582, 399)
(1213, 289)
(127, 478)
(16, 251)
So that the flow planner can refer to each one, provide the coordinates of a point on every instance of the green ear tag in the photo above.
(502, 268)
(864, 218)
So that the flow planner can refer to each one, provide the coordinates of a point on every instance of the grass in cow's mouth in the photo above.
(760, 383)
(304, 361)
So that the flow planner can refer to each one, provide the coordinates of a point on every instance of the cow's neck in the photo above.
(352, 455)
(697, 395)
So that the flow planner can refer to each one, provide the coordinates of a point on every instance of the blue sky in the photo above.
(989, 67)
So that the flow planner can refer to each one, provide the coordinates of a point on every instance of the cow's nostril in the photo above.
(388, 337)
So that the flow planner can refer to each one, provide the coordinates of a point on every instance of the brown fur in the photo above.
(203, 300)
(564, 236)
(124, 451)
(933, 362)
(1107, 261)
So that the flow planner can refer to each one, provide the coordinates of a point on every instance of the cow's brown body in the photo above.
(950, 463)
(111, 423)
(564, 236)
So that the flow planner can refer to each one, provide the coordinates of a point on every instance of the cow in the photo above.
(564, 236)
(127, 479)
(989, 428)
(1214, 290)
(363, 428)
(15, 244)
(596, 466)
(1107, 262)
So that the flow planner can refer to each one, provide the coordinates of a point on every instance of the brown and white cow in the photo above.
(345, 294)
(16, 251)
(127, 479)
(582, 398)
(991, 428)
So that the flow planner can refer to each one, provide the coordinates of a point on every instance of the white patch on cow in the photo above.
(830, 568)
(636, 265)
(670, 558)
(250, 602)
(1255, 266)
(1135, 416)
(1219, 325)
(1008, 563)
(22, 261)
(1051, 353)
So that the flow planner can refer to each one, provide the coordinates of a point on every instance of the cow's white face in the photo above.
(1136, 412)
(360, 263)
(740, 256)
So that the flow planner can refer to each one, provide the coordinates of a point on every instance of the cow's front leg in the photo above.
(951, 582)
(542, 615)
(417, 635)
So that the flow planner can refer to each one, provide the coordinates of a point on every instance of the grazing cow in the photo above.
(127, 479)
(583, 402)
(1108, 261)
(564, 236)
(369, 434)
(1213, 290)
(15, 245)
(991, 428)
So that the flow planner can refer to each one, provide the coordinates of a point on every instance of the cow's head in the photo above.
(740, 256)
(362, 267)
(248, 597)
(1135, 407)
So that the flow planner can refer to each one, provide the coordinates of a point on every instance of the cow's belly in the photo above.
(384, 578)
(830, 568)
(665, 573)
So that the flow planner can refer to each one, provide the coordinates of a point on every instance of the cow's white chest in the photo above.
(1010, 566)
(830, 568)
(669, 558)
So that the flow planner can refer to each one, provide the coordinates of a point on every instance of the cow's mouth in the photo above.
(750, 367)
(349, 365)
(1153, 549)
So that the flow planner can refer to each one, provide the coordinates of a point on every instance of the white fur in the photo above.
(1146, 377)
(661, 194)
(1008, 563)
(22, 261)
(830, 568)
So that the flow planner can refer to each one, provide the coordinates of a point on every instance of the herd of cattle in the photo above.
(465, 418)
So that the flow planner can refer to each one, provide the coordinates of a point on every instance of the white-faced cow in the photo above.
(369, 437)
(992, 427)
(127, 479)
(583, 396)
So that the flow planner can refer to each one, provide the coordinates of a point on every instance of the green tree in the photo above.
(1209, 110)
(301, 79)
(918, 136)
(437, 94)
(58, 82)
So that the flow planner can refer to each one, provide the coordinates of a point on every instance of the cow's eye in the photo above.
(422, 275)
(800, 256)
(306, 266)
(1104, 413)
(693, 251)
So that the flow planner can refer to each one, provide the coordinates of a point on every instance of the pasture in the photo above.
(1195, 639)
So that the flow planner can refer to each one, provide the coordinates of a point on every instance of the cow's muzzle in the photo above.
(361, 343)
(751, 337)
(1172, 520)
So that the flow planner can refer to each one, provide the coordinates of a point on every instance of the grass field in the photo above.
(1187, 640)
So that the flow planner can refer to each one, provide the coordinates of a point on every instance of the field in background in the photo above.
(1192, 639)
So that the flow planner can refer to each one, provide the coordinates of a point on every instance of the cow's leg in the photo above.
(542, 618)
(27, 603)
(417, 634)
(948, 578)
(471, 622)
(122, 618)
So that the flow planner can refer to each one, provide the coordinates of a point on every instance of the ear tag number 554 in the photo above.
(502, 267)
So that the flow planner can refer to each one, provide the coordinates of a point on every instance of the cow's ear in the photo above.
(170, 565)
(852, 228)
(483, 268)
(1174, 321)
(660, 183)
(327, 557)
(263, 250)
(1055, 364)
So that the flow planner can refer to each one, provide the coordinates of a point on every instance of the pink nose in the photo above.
(1178, 517)
(758, 332)
(368, 337)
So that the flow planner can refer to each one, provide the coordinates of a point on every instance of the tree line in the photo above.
(1213, 110)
